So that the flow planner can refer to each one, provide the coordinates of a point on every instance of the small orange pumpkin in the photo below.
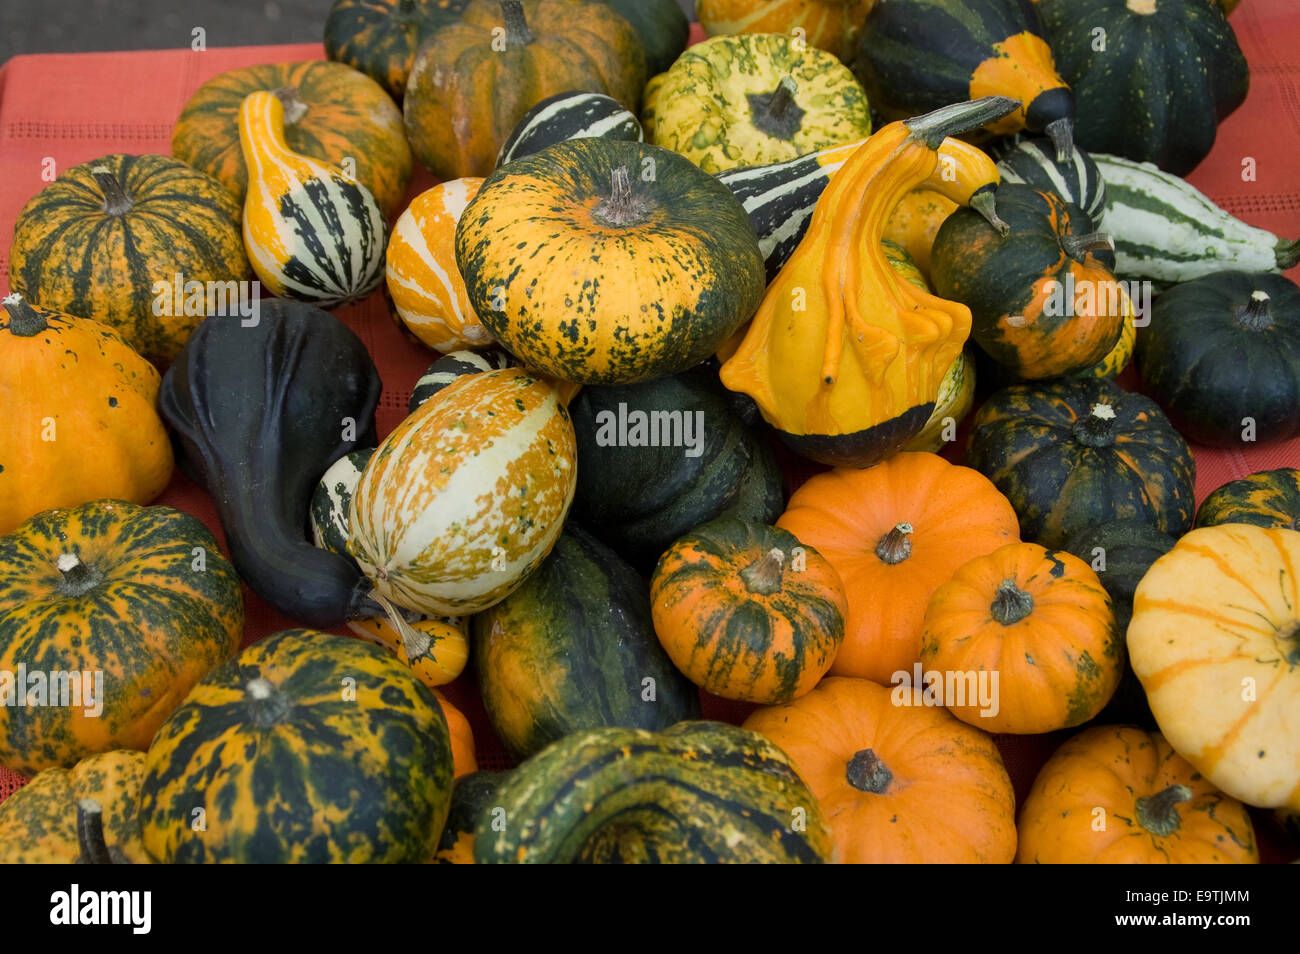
(462, 738)
(435, 650)
(1040, 622)
(898, 780)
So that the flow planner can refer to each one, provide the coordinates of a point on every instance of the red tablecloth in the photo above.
(75, 107)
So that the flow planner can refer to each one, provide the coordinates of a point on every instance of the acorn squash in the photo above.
(1270, 498)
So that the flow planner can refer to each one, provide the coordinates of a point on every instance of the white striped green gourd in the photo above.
(564, 116)
(311, 232)
(467, 496)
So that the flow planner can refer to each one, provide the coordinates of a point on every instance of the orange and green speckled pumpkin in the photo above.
(423, 280)
(97, 241)
(470, 797)
(899, 781)
(38, 823)
(475, 79)
(748, 612)
(1041, 620)
(467, 495)
(609, 262)
(73, 391)
(332, 113)
(142, 594)
(305, 748)
(1121, 795)
(750, 100)
(831, 25)
(1215, 641)
(1270, 498)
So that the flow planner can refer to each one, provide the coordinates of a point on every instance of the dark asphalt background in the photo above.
(77, 26)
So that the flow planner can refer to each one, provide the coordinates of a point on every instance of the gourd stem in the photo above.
(1098, 428)
(763, 576)
(1010, 603)
(24, 320)
(1078, 246)
(895, 547)
(1061, 132)
(933, 128)
(517, 32)
(867, 773)
(269, 706)
(77, 578)
(623, 207)
(1158, 813)
(985, 203)
(1256, 314)
(90, 833)
(116, 201)
(415, 642)
(1288, 254)
(294, 107)
(776, 113)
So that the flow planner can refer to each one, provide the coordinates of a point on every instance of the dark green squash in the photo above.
(574, 648)
(663, 491)
(576, 114)
(1074, 453)
(1222, 356)
(1270, 498)
(661, 26)
(699, 792)
(470, 796)
(1031, 161)
(259, 414)
(380, 37)
(1157, 82)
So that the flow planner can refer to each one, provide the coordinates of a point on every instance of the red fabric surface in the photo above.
(76, 107)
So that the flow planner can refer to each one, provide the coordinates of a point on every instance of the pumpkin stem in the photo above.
(414, 642)
(1288, 254)
(116, 201)
(623, 207)
(294, 107)
(90, 833)
(776, 113)
(763, 576)
(895, 547)
(985, 203)
(1256, 314)
(78, 579)
(517, 32)
(867, 773)
(1097, 429)
(1061, 132)
(1078, 247)
(1010, 603)
(933, 128)
(269, 706)
(1158, 813)
(24, 320)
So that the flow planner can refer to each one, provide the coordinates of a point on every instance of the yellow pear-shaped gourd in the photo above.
(312, 232)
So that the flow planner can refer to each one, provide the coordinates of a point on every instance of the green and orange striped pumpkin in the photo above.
(306, 748)
(97, 241)
(141, 593)
(747, 612)
(831, 25)
(467, 495)
(311, 232)
(332, 113)
(1270, 498)
(380, 37)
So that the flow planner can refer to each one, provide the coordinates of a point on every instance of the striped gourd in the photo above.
(576, 115)
(463, 500)
(700, 792)
(451, 366)
(423, 280)
(1032, 161)
(311, 232)
(332, 498)
(1166, 230)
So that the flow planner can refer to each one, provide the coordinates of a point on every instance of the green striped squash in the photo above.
(467, 495)
(700, 792)
(572, 115)
(306, 748)
(1270, 498)
(574, 648)
(451, 366)
(1031, 161)
(331, 501)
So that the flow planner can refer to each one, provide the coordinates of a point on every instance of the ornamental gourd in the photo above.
(1158, 809)
(287, 773)
(74, 391)
(845, 357)
(753, 99)
(470, 797)
(899, 782)
(896, 532)
(572, 115)
(607, 262)
(424, 283)
(143, 244)
(1036, 628)
(919, 55)
(1031, 161)
(312, 232)
(474, 79)
(1218, 614)
(830, 25)
(380, 37)
(1270, 498)
(140, 596)
(661, 26)
(467, 495)
(436, 652)
(464, 760)
(454, 365)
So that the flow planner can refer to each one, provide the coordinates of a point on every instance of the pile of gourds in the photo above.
(654, 274)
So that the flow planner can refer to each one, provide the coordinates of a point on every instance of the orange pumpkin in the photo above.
(898, 780)
(1036, 620)
(1121, 795)
(915, 222)
(462, 738)
(831, 25)
(895, 533)
(435, 649)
